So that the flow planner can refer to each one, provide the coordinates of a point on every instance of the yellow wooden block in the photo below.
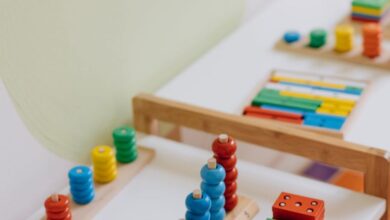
(334, 106)
(317, 97)
(308, 82)
(289, 79)
(328, 85)
(368, 11)
(337, 113)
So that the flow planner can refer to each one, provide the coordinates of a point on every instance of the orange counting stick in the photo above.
(284, 119)
(290, 120)
(258, 115)
(259, 110)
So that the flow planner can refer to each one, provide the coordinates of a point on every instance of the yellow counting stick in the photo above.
(334, 106)
(368, 11)
(318, 97)
(333, 112)
(308, 82)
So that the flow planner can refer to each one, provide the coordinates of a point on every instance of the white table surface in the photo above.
(226, 77)
(159, 191)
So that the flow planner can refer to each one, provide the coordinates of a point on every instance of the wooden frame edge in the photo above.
(373, 162)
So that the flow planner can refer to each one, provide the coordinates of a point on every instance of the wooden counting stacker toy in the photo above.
(367, 50)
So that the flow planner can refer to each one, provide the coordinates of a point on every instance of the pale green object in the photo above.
(72, 66)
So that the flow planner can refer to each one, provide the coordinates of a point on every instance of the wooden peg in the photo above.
(197, 194)
(223, 138)
(212, 163)
(54, 197)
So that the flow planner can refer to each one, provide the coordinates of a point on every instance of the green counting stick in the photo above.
(267, 96)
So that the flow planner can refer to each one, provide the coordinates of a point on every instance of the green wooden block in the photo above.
(353, 88)
(286, 103)
(374, 4)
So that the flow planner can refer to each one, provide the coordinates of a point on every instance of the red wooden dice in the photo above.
(57, 207)
(296, 207)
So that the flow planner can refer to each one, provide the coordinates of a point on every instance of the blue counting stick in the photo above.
(323, 120)
(347, 91)
(198, 206)
(364, 16)
(332, 125)
(291, 36)
(81, 184)
(324, 116)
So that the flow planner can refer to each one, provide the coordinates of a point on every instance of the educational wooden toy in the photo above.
(344, 38)
(198, 206)
(307, 100)
(366, 50)
(372, 162)
(295, 207)
(81, 185)
(125, 144)
(105, 192)
(57, 207)
(317, 38)
(369, 10)
(224, 148)
(219, 186)
(213, 185)
(372, 40)
(104, 164)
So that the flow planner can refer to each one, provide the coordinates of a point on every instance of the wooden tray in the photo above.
(327, 51)
(335, 133)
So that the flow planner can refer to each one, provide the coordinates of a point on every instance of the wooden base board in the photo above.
(245, 210)
(105, 192)
(327, 51)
